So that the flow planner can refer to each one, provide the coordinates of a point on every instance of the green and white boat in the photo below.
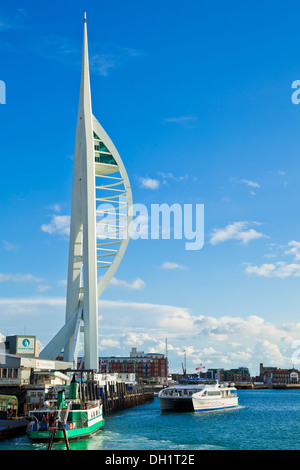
(74, 417)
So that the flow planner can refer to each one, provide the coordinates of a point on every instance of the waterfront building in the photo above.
(266, 373)
(238, 376)
(18, 371)
(149, 367)
(217, 374)
(20, 362)
(273, 375)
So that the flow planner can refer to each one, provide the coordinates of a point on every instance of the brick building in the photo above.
(273, 375)
(152, 367)
(240, 375)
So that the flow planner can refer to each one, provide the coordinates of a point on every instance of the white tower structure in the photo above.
(99, 232)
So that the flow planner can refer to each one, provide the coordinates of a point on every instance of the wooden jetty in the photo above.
(117, 397)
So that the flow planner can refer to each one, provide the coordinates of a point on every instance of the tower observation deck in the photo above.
(99, 231)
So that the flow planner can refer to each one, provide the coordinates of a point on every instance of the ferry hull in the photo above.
(71, 433)
(176, 404)
(12, 428)
(214, 405)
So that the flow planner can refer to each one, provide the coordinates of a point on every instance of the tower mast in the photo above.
(101, 216)
(82, 283)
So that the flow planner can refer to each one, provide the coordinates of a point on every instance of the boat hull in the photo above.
(214, 405)
(176, 404)
(76, 433)
(12, 428)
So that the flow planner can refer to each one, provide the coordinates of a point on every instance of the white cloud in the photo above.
(55, 208)
(240, 231)
(183, 121)
(137, 284)
(19, 278)
(15, 22)
(10, 246)
(169, 265)
(295, 250)
(59, 224)
(270, 352)
(149, 183)
(174, 178)
(250, 183)
(109, 343)
(22, 13)
(110, 57)
(134, 338)
(208, 351)
(279, 269)
(56, 47)
(43, 288)
(223, 341)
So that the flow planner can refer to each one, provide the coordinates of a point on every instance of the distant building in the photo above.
(266, 373)
(239, 375)
(152, 367)
(217, 374)
(273, 375)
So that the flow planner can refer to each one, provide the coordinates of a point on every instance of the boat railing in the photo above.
(77, 424)
(44, 426)
(177, 393)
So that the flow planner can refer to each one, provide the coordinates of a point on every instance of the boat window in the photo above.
(213, 393)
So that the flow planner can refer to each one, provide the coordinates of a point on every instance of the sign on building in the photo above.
(25, 345)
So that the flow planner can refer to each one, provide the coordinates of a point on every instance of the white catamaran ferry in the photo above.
(198, 395)
(215, 397)
(179, 397)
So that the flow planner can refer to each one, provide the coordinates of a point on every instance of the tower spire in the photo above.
(82, 274)
(95, 160)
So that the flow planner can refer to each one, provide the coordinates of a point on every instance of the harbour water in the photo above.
(265, 420)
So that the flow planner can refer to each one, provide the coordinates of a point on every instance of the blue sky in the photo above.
(197, 99)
